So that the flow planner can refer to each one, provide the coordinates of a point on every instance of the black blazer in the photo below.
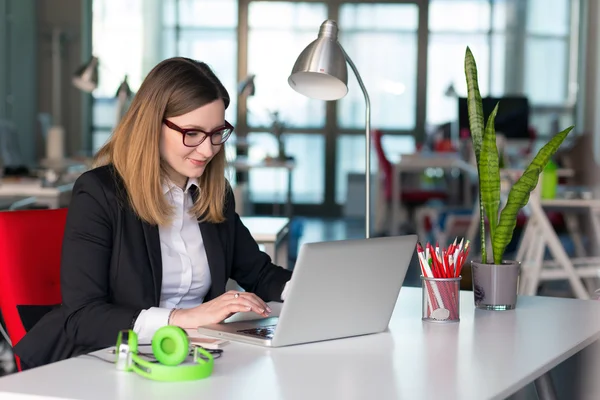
(111, 269)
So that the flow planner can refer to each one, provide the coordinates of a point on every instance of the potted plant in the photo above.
(495, 280)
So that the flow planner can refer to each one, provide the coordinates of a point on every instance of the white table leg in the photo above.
(381, 209)
(588, 383)
(289, 205)
(557, 251)
(281, 254)
(395, 201)
(545, 387)
(525, 241)
(572, 223)
(270, 249)
(531, 255)
(595, 218)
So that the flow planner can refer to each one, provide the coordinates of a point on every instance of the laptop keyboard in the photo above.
(265, 332)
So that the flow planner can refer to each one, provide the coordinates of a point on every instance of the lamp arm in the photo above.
(56, 77)
(368, 143)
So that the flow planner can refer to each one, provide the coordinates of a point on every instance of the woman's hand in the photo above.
(219, 309)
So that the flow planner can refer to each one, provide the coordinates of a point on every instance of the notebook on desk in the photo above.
(338, 289)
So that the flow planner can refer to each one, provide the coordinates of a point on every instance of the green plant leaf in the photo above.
(474, 105)
(476, 126)
(489, 174)
(482, 232)
(519, 194)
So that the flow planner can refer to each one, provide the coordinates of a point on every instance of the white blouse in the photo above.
(186, 276)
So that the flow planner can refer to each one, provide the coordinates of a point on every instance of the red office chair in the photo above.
(30, 250)
(410, 197)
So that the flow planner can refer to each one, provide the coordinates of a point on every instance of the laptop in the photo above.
(339, 289)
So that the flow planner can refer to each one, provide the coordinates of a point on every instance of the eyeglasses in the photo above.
(194, 137)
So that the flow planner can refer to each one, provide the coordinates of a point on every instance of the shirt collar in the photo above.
(168, 185)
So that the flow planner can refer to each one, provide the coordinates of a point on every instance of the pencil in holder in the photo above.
(441, 299)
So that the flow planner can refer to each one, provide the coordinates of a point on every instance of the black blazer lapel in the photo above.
(216, 259)
(153, 248)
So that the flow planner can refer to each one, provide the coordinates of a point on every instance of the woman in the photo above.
(152, 236)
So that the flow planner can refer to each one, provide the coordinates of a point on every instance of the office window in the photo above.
(454, 25)
(200, 13)
(546, 71)
(207, 31)
(111, 22)
(219, 50)
(548, 17)
(278, 32)
(155, 30)
(351, 157)
(381, 39)
(547, 51)
(269, 185)
(501, 45)
(521, 47)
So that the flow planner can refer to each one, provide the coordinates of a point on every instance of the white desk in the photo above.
(53, 197)
(244, 164)
(271, 232)
(488, 355)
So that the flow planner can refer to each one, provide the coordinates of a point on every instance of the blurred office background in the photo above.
(540, 56)
(409, 54)
(297, 163)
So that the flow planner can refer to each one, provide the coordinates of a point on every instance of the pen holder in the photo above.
(441, 299)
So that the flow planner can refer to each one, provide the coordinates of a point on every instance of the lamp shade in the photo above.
(321, 72)
(86, 77)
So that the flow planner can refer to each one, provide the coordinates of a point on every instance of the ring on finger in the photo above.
(235, 296)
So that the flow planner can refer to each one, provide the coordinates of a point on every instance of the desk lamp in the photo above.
(86, 76)
(123, 96)
(320, 72)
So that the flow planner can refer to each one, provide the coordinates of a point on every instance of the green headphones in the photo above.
(170, 347)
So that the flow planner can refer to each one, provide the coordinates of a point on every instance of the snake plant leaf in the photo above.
(474, 105)
(476, 126)
(519, 195)
(489, 174)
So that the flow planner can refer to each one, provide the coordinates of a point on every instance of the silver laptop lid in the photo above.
(344, 288)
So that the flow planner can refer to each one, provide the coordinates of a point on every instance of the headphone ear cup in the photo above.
(170, 345)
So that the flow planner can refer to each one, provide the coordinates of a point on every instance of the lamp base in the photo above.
(55, 143)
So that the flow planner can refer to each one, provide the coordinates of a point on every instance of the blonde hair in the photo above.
(174, 87)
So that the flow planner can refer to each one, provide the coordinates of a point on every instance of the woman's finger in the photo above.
(237, 307)
(256, 303)
(257, 300)
(253, 305)
(244, 305)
